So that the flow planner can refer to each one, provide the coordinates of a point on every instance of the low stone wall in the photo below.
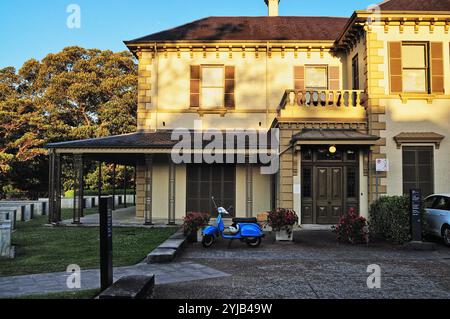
(5, 238)
(91, 201)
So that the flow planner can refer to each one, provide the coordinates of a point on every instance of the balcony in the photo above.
(323, 104)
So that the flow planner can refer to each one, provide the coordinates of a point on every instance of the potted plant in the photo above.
(282, 222)
(352, 228)
(193, 226)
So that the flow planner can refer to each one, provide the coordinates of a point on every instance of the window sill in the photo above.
(220, 111)
(405, 97)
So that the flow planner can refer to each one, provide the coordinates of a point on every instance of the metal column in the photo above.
(54, 192)
(249, 190)
(114, 187)
(148, 189)
(99, 184)
(172, 180)
(78, 199)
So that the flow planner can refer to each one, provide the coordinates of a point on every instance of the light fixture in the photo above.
(332, 149)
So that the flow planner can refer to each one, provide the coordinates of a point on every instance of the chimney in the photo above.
(273, 7)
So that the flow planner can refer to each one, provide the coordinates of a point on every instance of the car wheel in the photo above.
(208, 241)
(254, 242)
(446, 235)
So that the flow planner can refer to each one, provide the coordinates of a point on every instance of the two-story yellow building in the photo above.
(343, 92)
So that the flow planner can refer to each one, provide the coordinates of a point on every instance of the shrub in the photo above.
(390, 217)
(352, 228)
(195, 221)
(281, 219)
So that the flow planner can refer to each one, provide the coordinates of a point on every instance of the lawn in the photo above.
(41, 249)
(83, 294)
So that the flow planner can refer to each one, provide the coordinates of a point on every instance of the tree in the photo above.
(74, 94)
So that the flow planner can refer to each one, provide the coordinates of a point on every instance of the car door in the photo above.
(440, 208)
(442, 215)
(431, 212)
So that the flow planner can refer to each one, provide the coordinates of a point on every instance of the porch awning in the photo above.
(337, 137)
(161, 142)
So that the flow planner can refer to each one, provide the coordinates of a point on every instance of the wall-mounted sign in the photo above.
(382, 165)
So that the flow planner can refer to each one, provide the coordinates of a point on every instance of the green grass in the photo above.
(82, 294)
(41, 249)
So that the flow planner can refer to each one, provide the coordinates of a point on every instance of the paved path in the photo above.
(124, 217)
(90, 279)
(314, 267)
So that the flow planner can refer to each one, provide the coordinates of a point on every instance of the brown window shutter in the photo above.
(195, 86)
(334, 78)
(299, 78)
(230, 87)
(437, 67)
(395, 65)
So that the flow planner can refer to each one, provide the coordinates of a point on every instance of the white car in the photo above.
(437, 209)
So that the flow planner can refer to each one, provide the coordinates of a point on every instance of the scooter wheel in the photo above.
(254, 242)
(208, 241)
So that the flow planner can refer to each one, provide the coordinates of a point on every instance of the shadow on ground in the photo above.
(315, 266)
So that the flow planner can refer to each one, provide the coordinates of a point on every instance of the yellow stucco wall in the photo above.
(260, 84)
(415, 115)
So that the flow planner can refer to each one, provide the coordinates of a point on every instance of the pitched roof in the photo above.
(159, 140)
(415, 5)
(331, 135)
(252, 28)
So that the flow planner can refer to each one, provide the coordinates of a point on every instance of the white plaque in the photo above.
(382, 165)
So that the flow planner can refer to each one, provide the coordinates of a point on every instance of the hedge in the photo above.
(390, 218)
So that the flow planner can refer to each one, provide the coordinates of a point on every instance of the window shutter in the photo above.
(195, 86)
(334, 78)
(437, 67)
(230, 87)
(299, 78)
(395, 64)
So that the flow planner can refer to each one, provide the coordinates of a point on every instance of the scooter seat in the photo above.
(245, 220)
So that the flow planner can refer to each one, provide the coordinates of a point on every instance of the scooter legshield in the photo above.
(210, 230)
(250, 230)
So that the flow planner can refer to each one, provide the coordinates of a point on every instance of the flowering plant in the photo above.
(282, 219)
(352, 228)
(195, 221)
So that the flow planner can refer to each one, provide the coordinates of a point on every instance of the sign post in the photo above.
(416, 214)
(381, 165)
(106, 257)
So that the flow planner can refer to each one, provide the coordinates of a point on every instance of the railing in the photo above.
(322, 103)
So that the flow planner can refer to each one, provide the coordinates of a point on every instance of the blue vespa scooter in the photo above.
(244, 229)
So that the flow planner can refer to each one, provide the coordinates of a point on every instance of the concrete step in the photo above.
(168, 250)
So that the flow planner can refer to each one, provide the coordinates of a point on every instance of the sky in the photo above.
(34, 28)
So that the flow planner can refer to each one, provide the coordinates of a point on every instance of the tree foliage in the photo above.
(74, 94)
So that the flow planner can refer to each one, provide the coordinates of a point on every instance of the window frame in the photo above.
(355, 72)
(327, 72)
(212, 66)
(427, 67)
(417, 181)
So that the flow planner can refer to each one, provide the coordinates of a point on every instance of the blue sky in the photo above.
(34, 28)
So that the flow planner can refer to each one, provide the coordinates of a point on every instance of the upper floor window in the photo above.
(415, 67)
(213, 86)
(316, 77)
(355, 73)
